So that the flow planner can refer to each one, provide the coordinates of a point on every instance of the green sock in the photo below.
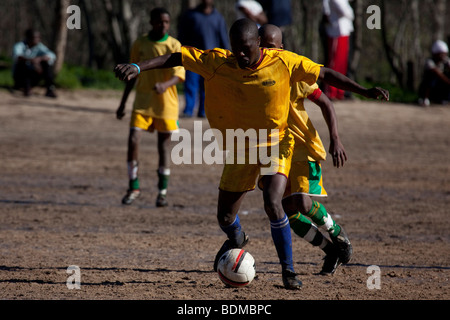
(320, 216)
(306, 230)
(134, 184)
(163, 182)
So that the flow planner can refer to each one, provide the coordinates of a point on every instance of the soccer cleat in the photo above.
(227, 245)
(290, 280)
(330, 263)
(344, 247)
(131, 196)
(161, 201)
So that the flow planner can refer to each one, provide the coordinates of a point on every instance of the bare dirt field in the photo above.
(63, 174)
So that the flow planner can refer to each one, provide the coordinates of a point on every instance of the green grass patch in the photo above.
(396, 94)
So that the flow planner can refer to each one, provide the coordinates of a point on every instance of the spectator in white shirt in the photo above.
(339, 17)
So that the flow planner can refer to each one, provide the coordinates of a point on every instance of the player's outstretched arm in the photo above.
(336, 149)
(342, 82)
(128, 71)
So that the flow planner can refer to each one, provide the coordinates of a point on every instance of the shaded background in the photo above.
(392, 56)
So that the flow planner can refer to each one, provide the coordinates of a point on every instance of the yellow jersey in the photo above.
(256, 97)
(148, 102)
(308, 145)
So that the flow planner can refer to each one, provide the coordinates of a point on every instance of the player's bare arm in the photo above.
(340, 81)
(128, 71)
(120, 112)
(161, 87)
(336, 149)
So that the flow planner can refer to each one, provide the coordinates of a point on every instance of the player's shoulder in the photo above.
(217, 53)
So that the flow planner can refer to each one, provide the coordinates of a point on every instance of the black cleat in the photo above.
(344, 247)
(131, 196)
(330, 263)
(227, 245)
(161, 201)
(290, 280)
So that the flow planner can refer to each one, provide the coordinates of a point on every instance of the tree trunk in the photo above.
(60, 35)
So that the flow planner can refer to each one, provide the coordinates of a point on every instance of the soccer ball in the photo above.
(236, 268)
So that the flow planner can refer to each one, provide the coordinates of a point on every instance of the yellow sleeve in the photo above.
(202, 62)
(304, 89)
(303, 69)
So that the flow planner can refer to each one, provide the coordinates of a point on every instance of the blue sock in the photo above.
(234, 231)
(281, 235)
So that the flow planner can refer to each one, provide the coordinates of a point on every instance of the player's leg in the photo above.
(133, 191)
(309, 232)
(235, 182)
(227, 216)
(163, 168)
(319, 215)
(274, 186)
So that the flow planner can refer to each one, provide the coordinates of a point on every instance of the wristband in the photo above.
(134, 64)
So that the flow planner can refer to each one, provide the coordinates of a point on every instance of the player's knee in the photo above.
(297, 203)
(273, 208)
(289, 206)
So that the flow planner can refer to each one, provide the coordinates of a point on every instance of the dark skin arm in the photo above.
(127, 71)
(120, 113)
(336, 149)
(340, 81)
(441, 76)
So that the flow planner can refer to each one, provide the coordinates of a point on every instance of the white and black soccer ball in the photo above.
(236, 268)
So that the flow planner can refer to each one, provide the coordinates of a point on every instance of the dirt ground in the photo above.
(63, 174)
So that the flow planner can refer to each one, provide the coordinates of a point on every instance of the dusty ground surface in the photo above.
(63, 174)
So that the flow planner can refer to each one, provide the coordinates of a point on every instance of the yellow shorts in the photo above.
(305, 177)
(243, 177)
(148, 123)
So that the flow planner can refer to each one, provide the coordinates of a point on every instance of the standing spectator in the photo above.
(435, 86)
(279, 13)
(204, 28)
(339, 18)
(252, 10)
(33, 61)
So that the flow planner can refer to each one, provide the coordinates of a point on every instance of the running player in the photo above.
(155, 106)
(305, 177)
(249, 88)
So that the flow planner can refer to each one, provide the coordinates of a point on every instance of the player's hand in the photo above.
(337, 151)
(160, 87)
(378, 93)
(120, 113)
(126, 71)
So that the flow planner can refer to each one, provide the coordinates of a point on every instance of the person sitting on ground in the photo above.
(33, 61)
(435, 86)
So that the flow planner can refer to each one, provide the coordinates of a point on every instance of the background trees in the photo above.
(395, 53)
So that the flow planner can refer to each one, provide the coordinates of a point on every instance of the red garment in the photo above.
(338, 49)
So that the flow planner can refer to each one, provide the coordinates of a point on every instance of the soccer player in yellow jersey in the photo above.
(305, 177)
(248, 88)
(155, 106)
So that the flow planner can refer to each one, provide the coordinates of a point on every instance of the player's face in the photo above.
(246, 49)
(270, 41)
(161, 25)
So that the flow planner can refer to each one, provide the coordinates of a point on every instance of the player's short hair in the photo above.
(155, 13)
(244, 26)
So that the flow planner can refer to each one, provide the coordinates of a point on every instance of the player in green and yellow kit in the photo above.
(155, 106)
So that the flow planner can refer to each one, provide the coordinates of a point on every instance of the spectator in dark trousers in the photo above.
(33, 61)
(204, 28)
